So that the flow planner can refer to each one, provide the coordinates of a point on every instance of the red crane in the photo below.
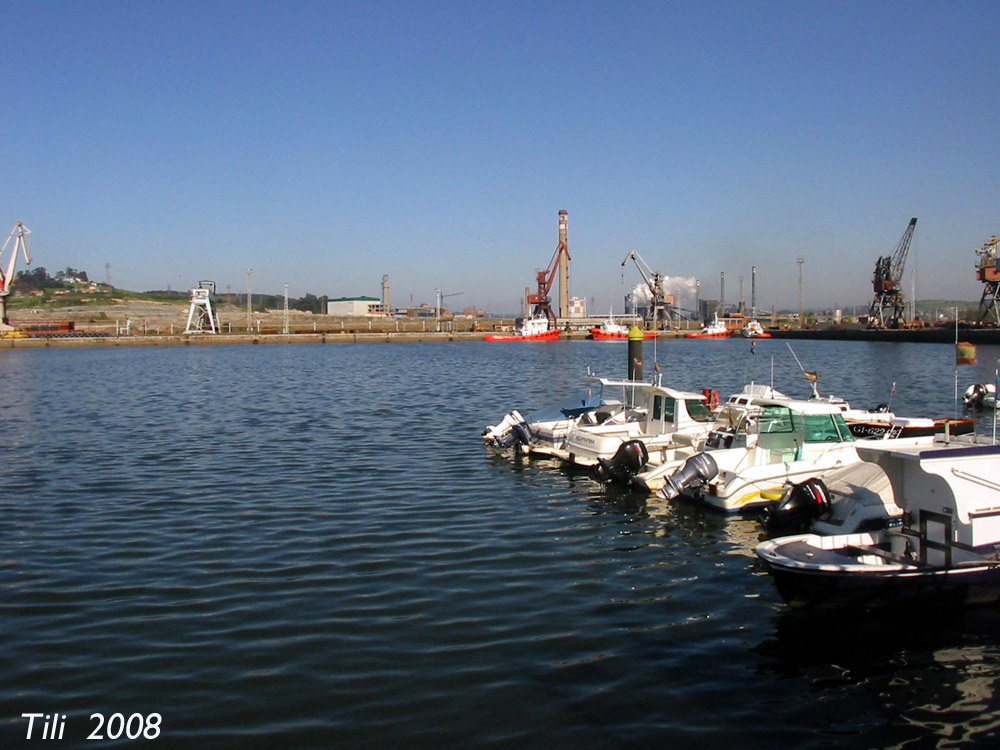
(545, 279)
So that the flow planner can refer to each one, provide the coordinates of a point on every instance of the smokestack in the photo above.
(753, 291)
(563, 265)
(385, 292)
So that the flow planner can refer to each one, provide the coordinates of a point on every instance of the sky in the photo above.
(324, 144)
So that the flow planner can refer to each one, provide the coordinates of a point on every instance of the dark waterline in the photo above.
(308, 547)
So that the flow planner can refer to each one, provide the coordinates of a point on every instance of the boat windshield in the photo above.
(699, 410)
(824, 428)
(815, 428)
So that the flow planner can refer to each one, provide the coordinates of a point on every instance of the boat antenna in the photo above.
(812, 381)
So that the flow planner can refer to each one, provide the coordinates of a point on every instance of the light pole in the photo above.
(249, 297)
(800, 260)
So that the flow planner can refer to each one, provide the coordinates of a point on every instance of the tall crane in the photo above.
(988, 272)
(658, 311)
(560, 261)
(18, 234)
(887, 281)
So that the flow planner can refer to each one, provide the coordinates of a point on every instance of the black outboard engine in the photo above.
(629, 460)
(517, 437)
(794, 513)
(697, 470)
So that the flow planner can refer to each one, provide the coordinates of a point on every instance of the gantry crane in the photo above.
(988, 273)
(203, 317)
(658, 311)
(18, 234)
(888, 284)
(560, 261)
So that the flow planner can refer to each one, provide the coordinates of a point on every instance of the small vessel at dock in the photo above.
(944, 553)
(611, 330)
(536, 328)
(717, 329)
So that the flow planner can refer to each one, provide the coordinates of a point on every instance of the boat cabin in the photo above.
(951, 496)
(791, 430)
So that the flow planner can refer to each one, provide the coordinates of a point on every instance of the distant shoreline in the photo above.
(924, 335)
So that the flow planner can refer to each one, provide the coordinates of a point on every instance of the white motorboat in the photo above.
(945, 551)
(730, 429)
(671, 420)
(790, 440)
(544, 430)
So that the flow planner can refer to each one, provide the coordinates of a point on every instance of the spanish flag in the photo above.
(965, 353)
(812, 377)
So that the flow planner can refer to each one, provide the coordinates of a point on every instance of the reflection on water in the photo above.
(308, 546)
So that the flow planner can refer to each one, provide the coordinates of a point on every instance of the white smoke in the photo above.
(684, 290)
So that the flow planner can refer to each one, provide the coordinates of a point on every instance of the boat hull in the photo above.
(878, 430)
(723, 335)
(818, 589)
(550, 335)
(597, 333)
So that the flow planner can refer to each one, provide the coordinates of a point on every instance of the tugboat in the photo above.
(715, 330)
(611, 330)
(528, 329)
(946, 552)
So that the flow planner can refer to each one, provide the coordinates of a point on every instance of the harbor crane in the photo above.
(545, 278)
(887, 306)
(658, 311)
(18, 234)
(988, 273)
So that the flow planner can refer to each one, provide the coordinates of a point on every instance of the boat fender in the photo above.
(801, 505)
(629, 460)
(697, 470)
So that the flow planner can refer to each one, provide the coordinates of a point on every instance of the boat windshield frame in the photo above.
(820, 427)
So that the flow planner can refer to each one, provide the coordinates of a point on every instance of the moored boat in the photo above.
(944, 553)
(544, 430)
(717, 329)
(536, 328)
(790, 441)
(609, 329)
(754, 330)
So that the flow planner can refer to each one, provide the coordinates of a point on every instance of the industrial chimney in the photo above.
(563, 265)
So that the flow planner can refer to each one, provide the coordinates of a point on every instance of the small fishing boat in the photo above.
(544, 430)
(789, 441)
(944, 553)
(671, 420)
(528, 329)
(717, 329)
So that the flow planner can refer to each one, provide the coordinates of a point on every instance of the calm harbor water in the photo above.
(308, 547)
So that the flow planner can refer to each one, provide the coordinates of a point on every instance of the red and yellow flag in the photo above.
(965, 353)
(812, 377)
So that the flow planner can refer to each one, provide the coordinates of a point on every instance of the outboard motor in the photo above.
(499, 434)
(697, 470)
(629, 460)
(975, 395)
(510, 431)
(795, 512)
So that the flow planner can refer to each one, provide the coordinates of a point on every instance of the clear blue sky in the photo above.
(324, 144)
